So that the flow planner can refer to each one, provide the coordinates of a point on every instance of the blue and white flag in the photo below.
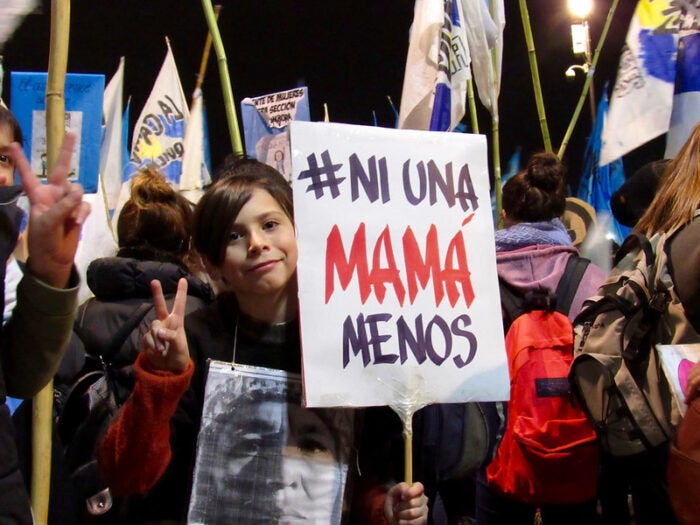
(599, 182)
(437, 68)
(453, 71)
(159, 132)
(642, 100)
(686, 99)
(195, 173)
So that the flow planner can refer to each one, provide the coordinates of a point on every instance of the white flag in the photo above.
(111, 163)
(642, 100)
(195, 175)
(484, 24)
(96, 239)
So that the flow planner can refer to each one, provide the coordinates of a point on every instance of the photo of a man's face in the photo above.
(264, 458)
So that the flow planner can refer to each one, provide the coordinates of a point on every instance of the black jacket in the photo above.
(120, 286)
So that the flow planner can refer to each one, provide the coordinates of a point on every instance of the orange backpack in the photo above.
(548, 453)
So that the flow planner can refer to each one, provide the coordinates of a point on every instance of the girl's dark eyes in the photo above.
(267, 225)
(4, 158)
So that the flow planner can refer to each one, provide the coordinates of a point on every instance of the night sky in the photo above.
(350, 54)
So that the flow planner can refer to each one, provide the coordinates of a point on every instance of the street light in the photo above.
(581, 44)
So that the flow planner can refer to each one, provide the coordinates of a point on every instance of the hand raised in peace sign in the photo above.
(165, 344)
(55, 217)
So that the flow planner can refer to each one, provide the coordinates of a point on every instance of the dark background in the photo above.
(350, 54)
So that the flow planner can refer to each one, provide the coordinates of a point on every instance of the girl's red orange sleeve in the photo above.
(135, 451)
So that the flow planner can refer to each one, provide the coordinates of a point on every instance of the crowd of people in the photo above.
(200, 442)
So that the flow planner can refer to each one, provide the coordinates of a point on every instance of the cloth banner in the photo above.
(195, 173)
(484, 24)
(600, 181)
(160, 129)
(111, 162)
(642, 100)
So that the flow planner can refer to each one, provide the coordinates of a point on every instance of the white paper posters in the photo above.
(398, 291)
(677, 360)
(265, 124)
(264, 458)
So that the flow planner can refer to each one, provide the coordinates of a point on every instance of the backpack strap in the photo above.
(128, 326)
(633, 241)
(511, 303)
(568, 284)
(514, 303)
(115, 345)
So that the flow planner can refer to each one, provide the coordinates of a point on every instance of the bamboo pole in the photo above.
(205, 55)
(495, 126)
(537, 86)
(42, 411)
(496, 140)
(236, 143)
(589, 78)
(472, 105)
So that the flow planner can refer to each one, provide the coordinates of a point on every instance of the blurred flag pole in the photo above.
(587, 83)
(42, 412)
(234, 130)
(205, 56)
(537, 86)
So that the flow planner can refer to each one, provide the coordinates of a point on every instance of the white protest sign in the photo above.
(398, 290)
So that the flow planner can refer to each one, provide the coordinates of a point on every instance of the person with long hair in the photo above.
(673, 211)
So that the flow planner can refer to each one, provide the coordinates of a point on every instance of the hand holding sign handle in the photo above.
(165, 343)
(406, 504)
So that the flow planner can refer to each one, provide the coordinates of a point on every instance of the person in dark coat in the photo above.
(153, 230)
(33, 341)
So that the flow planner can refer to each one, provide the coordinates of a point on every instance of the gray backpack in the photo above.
(616, 372)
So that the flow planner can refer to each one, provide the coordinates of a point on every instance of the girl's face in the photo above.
(7, 165)
(261, 256)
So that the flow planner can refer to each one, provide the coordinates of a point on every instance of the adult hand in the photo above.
(406, 505)
(693, 384)
(166, 344)
(56, 214)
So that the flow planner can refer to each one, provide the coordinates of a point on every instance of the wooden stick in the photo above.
(408, 456)
(42, 408)
(231, 117)
(589, 78)
(407, 419)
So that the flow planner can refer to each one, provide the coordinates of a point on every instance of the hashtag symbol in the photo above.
(322, 177)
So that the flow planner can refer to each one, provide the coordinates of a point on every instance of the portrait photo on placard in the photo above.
(262, 458)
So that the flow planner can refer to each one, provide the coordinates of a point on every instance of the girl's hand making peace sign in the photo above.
(166, 344)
